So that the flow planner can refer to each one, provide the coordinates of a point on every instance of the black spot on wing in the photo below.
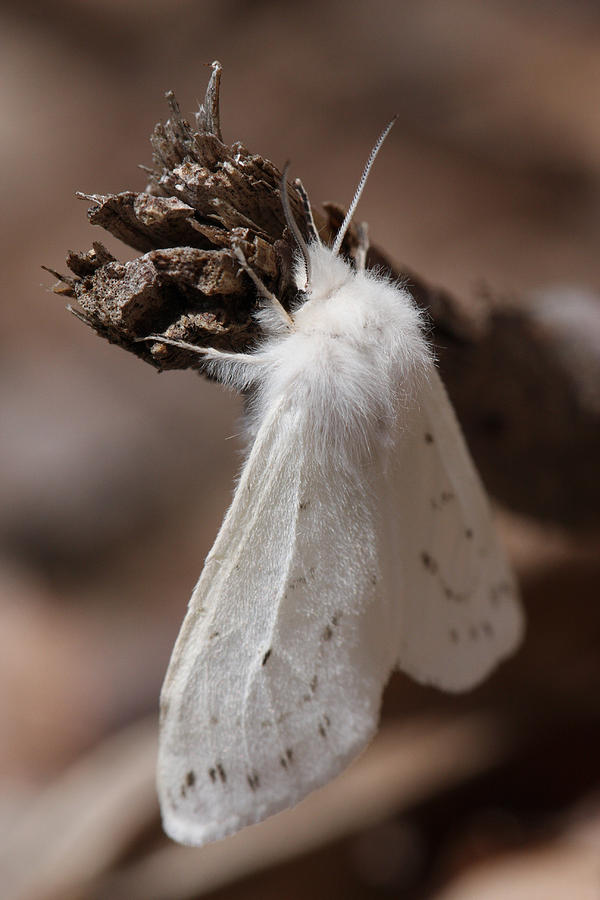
(428, 437)
(323, 726)
(429, 562)
(217, 772)
(333, 623)
(442, 500)
(296, 582)
(287, 759)
(190, 778)
(432, 567)
(265, 658)
(253, 781)
(455, 596)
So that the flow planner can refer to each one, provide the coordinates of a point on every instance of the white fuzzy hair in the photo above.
(354, 354)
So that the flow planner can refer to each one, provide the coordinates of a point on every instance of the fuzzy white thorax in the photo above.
(355, 355)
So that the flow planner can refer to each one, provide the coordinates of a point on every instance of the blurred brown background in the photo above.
(111, 490)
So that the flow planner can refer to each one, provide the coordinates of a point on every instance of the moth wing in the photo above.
(275, 681)
(460, 613)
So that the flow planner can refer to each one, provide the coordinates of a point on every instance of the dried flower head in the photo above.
(202, 197)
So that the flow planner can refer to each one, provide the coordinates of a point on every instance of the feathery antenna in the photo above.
(363, 178)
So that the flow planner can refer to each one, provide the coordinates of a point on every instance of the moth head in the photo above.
(329, 274)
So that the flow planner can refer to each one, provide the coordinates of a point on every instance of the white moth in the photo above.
(359, 540)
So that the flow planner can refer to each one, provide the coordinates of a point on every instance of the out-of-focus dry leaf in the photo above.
(561, 868)
(85, 820)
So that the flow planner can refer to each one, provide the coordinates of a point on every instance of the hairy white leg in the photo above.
(238, 369)
(263, 290)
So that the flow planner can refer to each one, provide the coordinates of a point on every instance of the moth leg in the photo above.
(313, 234)
(360, 254)
(239, 369)
(263, 290)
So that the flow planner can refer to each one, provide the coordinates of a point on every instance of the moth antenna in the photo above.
(363, 178)
(291, 223)
(310, 222)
